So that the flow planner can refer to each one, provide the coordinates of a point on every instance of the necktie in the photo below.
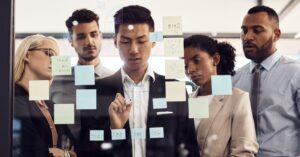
(255, 91)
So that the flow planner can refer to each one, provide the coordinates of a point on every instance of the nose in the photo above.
(248, 36)
(133, 48)
(89, 40)
(190, 68)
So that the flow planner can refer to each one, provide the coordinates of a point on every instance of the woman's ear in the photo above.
(216, 59)
(26, 58)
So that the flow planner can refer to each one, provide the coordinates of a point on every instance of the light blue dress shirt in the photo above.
(278, 110)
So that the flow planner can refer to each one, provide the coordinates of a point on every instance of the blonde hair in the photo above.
(27, 43)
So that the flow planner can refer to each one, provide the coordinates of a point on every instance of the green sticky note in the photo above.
(159, 103)
(175, 91)
(84, 75)
(138, 133)
(118, 134)
(156, 132)
(64, 113)
(156, 36)
(39, 89)
(86, 99)
(199, 107)
(61, 65)
(221, 85)
(96, 135)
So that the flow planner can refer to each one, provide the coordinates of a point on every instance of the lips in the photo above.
(134, 59)
(91, 48)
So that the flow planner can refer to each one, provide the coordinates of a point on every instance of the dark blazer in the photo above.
(179, 131)
(34, 134)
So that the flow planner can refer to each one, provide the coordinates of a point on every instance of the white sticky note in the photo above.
(118, 134)
(39, 89)
(199, 107)
(156, 37)
(175, 91)
(64, 113)
(84, 75)
(61, 65)
(86, 99)
(96, 135)
(221, 85)
(159, 103)
(172, 25)
(173, 47)
(138, 133)
(156, 132)
(175, 69)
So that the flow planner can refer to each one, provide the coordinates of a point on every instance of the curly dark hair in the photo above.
(133, 14)
(211, 46)
(81, 16)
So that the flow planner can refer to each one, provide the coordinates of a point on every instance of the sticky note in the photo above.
(138, 133)
(96, 135)
(64, 113)
(221, 85)
(61, 65)
(175, 91)
(173, 47)
(175, 69)
(118, 134)
(156, 36)
(156, 132)
(159, 103)
(86, 99)
(172, 25)
(199, 107)
(39, 89)
(84, 75)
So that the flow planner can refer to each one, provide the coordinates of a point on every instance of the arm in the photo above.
(243, 137)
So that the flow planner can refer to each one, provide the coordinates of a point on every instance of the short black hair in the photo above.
(133, 14)
(261, 8)
(81, 16)
(211, 46)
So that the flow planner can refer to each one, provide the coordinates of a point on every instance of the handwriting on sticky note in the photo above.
(84, 75)
(118, 134)
(156, 36)
(64, 113)
(199, 107)
(175, 91)
(159, 103)
(156, 132)
(138, 133)
(172, 25)
(96, 135)
(86, 99)
(173, 47)
(39, 89)
(61, 65)
(221, 85)
(174, 69)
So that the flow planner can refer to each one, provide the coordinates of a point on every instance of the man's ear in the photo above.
(153, 44)
(70, 40)
(277, 33)
(115, 41)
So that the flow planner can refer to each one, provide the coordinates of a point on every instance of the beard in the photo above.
(260, 53)
(87, 56)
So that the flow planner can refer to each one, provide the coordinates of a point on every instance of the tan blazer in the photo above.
(229, 130)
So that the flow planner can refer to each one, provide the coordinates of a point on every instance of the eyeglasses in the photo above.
(48, 51)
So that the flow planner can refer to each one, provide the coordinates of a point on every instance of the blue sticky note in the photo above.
(221, 85)
(157, 132)
(118, 134)
(96, 135)
(159, 103)
(84, 75)
(86, 99)
(138, 133)
(156, 36)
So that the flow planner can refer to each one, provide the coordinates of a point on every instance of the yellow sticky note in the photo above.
(172, 25)
(173, 47)
(199, 107)
(64, 113)
(175, 91)
(61, 65)
(39, 90)
(174, 69)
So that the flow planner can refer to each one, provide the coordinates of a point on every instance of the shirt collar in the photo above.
(149, 73)
(267, 63)
(97, 68)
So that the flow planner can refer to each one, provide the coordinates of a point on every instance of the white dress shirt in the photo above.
(139, 94)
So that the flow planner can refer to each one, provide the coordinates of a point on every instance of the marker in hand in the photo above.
(128, 102)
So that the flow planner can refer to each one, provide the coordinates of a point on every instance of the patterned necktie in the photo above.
(255, 91)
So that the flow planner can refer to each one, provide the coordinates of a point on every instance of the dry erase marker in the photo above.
(128, 102)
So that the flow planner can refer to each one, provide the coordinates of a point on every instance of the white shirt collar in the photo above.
(268, 62)
(149, 73)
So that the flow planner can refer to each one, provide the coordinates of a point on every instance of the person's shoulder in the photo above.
(289, 62)
(237, 91)
(243, 69)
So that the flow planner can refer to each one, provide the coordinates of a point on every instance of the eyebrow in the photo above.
(194, 57)
(127, 38)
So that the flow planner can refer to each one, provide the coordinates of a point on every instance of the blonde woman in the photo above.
(39, 137)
